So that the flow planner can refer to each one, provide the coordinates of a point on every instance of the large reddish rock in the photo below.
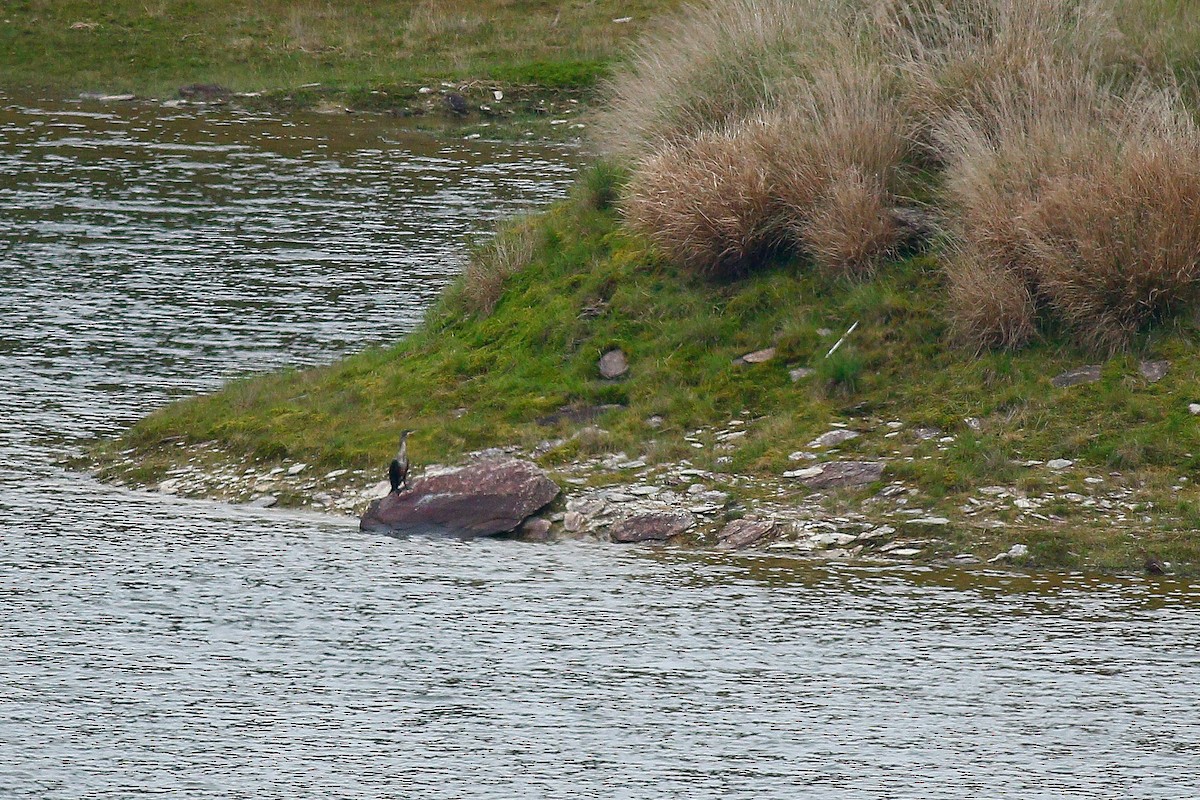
(478, 500)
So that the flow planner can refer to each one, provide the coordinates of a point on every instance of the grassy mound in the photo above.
(520, 366)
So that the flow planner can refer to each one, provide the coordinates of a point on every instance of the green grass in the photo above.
(468, 379)
(151, 47)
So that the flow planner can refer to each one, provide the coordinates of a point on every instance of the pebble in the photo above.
(1060, 463)
(928, 521)
(337, 473)
(266, 501)
(808, 472)
(1194, 408)
(833, 438)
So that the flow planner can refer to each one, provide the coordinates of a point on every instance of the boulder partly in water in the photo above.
(478, 500)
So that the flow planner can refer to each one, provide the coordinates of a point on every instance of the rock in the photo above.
(1016, 551)
(835, 474)
(744, 532)
(651, 526)
(1194, 409)
(456, 104)
(266, 501)
(757, 357)
(833, 437)
(1154, 371)
(925, 434)
(573, 521)
(1077, 376)
(535, 529)
(799, 373)
(933, 522)
(204, 92)
(613, 364)
(1060, 463)
(296, 469)
(479, 500)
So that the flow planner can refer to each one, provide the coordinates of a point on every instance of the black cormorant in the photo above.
(398, 469)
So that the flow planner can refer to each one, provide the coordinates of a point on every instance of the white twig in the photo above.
(833, 349)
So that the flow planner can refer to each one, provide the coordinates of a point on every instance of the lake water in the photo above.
(153, 645)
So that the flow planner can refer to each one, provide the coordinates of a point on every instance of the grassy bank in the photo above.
(360, 55)
(987, 193)
(526, 374)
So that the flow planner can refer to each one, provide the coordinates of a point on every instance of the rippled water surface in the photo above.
(155, 645)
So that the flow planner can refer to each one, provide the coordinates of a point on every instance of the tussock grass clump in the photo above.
(706, 204)
(1081, 204)
(717, 65)
(818, 178)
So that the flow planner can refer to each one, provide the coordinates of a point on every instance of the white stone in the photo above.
(929, 521)
(337, 473)
(808, 472)
(644, 491)
(905, 552)
(296, 469)
(1060, 463)
(833, 438)
(895, 425)
(1194, 408)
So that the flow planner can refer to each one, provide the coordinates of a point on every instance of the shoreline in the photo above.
(886, 521)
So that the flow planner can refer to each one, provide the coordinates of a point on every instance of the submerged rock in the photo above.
(479, 500)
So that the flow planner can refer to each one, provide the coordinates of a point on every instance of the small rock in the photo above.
(802, 474)
(572, 521)
(799, 373)
(757, 357)
(613, 364)
(266, 501)
(456, 104)
(833, 438)
(296, 469)
(925, 434)
(824, 332)
(337, 473)
(743, 532)
(974, 423)
(1077, 376)
(1194, 409)
(905, 552)
(1154, 371)
(801, 455)
(651, 527)
(644, 491)
(1060, 463)
(1016, 551)
(935, 521)
(654, 422)
(535, 529)
(835, 474)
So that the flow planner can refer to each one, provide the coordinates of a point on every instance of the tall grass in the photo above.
(1087, 199)
(1070, 173)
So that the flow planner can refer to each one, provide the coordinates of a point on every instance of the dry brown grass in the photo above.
(721, 63)
(495, 261)
(852, 230)
(706, 204)
(1085, 199)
